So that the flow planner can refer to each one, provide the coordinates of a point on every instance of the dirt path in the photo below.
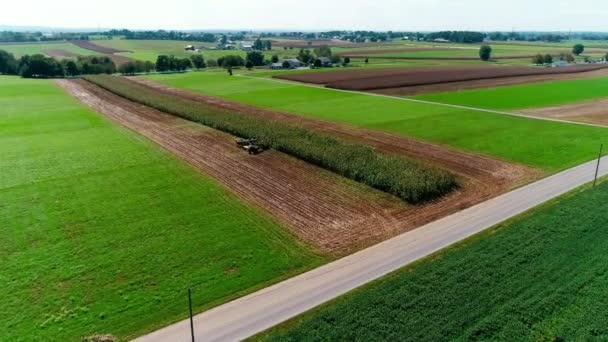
(595, 112)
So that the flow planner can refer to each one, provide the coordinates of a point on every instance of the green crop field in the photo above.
(548, 145)
(527, 95)
(540, 277)
(31, 49)
(103, 232)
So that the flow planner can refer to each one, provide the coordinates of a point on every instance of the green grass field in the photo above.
(31, 49)
(526, 95)
(548, 145)
(540, 277)
(103, 232)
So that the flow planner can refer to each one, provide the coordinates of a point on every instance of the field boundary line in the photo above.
(409, 99)
(254, 313)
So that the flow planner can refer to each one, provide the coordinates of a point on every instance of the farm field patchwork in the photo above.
(526, 95)
(541, 276)
(30, 49)
(547, 145)
(104, 232)
(373, 79)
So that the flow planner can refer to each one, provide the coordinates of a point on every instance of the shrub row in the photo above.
(402, 177)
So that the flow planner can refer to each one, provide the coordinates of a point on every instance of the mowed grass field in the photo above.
(103, 232)
(532, 95)
(31, 49)
(550, 146)
(541, 277)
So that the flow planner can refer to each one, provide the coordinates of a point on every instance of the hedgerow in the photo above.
(405, 178)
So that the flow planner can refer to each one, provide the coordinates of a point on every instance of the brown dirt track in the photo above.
(369, 217)
(398, 78)
(383, 51)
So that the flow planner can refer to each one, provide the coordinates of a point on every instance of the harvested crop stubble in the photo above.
(407, 179)
(392, 78)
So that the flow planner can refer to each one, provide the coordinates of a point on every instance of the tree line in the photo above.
(40, 66)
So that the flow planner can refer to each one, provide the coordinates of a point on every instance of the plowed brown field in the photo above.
(85, 44)
(398, 78)
(489, 83)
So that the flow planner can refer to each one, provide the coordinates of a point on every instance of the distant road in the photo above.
(261, 310)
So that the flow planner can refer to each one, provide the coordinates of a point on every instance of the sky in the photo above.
(318, 15)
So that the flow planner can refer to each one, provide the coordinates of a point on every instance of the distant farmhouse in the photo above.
(287, 64)
(247, 46)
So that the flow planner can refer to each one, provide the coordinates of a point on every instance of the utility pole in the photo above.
(191, 320)
(597, 168)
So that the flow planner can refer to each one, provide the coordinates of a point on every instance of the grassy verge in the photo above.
(547, 145)
(102, 232)
(541, 277)
(404, 178)
(526, 95)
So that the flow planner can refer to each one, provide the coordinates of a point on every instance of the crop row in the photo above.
(410, 180)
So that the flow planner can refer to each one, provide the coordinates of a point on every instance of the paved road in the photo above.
(261, 310)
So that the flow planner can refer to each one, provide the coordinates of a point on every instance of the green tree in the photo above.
(8, 63)
(323, 51)
(249, 65)
(578, 49)
(305, 56)
(318, 63)
(346, 61)
(485, 52)
(275, 59)
(538, 59)
(71, 68)
(258, 45)
(268, 45)
(286, 65)
(198, 61)
(366, 60)
(128, 68)
(162, 63)
(256, 58)
(230, 61)
(548, 59)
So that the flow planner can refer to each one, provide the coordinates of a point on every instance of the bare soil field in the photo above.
(85, 44)
(344, 226)
(366, 80)
(487, 83)
(60, 53)
(595, 112)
